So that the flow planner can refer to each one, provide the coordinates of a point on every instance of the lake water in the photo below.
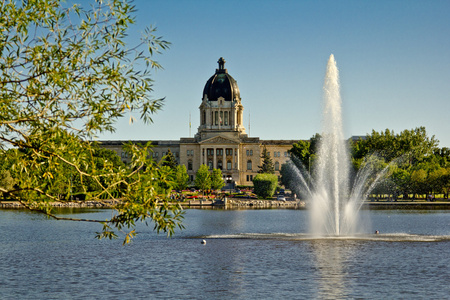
(249, 254)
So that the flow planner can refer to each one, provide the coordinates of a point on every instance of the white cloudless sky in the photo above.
(393, 57)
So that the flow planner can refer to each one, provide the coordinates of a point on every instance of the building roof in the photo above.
(221, 84)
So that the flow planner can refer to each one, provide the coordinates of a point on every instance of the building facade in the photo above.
(221, 141)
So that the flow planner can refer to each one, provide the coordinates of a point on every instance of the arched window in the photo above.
(277, 166)
(249, 164)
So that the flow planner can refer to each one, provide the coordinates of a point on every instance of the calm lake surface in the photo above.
(249, 254)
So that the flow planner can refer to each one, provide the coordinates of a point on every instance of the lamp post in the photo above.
(229, 178)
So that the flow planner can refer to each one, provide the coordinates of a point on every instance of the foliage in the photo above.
(265, 185)
(169, 160)
(306, 151)
(6, 181)
(217, 181)
(203, 178)
(181, 178)
(267, 164)
(67, 75)
(413, 162)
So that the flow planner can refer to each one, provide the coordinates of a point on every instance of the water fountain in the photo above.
(333, 204)
(332, 177)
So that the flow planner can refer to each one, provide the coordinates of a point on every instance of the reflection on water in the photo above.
(329, 260)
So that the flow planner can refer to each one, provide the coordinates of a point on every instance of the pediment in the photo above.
(219, 140)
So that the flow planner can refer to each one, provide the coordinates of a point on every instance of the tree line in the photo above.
(413, 163)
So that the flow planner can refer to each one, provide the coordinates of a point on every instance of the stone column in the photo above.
(224, 159)
(215, 159)
(236, 158)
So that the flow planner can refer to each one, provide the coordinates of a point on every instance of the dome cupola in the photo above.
(221, 84)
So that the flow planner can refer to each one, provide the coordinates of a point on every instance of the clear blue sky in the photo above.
(393, 57)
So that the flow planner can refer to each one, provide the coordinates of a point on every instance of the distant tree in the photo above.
(181, 178)
(217, 181)
(306, 151)
(418, 182)
(169, 160)
(267, 166)
(6, 181)
(203, 178)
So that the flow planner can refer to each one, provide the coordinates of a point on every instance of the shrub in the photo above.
(265, 185)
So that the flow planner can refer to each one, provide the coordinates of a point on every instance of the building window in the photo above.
(219, 151)
(210, 152)
(189, 165)
(251, 152)
(221, 118)
(285, 154)
(249, 164)
(204, 118)
(191, 178)
(210, 164)
(229, 165)
(229, 151)
(249, 177)
(277, 166)
(219, 165)
(226, 118)
(216, 118)
(248, 152)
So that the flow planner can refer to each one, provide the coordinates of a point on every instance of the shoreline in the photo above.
(232, 203)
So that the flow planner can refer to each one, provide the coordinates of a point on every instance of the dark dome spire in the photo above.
(221, 84)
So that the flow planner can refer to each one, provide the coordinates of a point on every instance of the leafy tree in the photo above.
(302, 150)
(6, 181)
(418, 182)
(181, 178)
(66, 73)
(203, 178)
(306, 151)
(217, 181)
(267, 166)
(265, 184)
(169, 160)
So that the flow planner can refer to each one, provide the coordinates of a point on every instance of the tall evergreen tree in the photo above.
(267, 166)
(169, 160)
